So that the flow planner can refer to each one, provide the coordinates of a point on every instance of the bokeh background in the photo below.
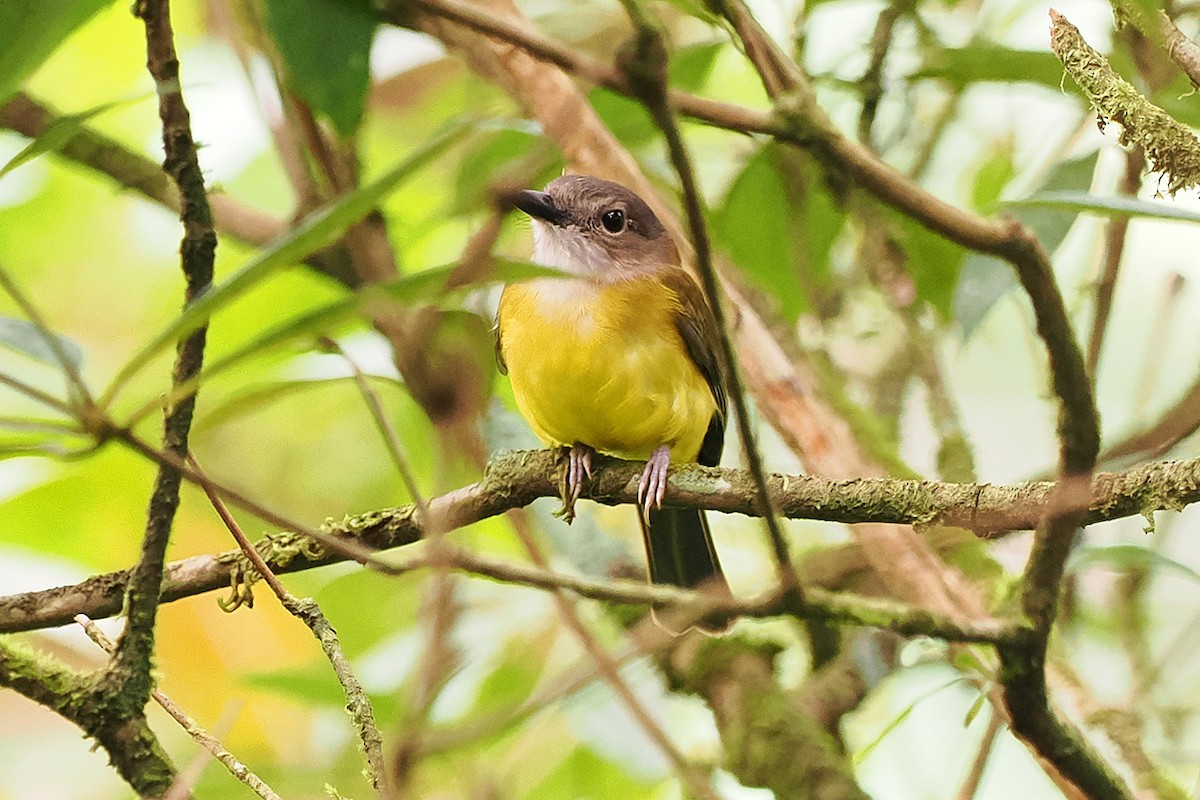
(973, 104)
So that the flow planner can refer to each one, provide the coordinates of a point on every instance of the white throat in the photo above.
(568, 250)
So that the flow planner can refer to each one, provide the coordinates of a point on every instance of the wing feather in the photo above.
(698, 329)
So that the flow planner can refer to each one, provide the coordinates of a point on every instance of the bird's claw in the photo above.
(579, 464)
(652, 487)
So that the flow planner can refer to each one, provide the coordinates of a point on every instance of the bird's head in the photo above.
(596, 229)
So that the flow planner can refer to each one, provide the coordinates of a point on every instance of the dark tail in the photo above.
(679, 549)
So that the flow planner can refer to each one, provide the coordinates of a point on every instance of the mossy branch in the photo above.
(1162, 30)
(769, 738)
(516, 479)
(132, 747)
(1172, 149)
(127, 682)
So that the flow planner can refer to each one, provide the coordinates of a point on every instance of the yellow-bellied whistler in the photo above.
(620, 358)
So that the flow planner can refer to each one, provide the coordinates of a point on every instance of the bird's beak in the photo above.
(539, 206)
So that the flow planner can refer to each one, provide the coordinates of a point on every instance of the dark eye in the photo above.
(613, 221)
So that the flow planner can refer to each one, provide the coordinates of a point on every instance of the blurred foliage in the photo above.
(971, 103)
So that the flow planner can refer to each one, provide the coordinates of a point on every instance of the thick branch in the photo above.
(769, 738)
(516, 479)
(132, 747)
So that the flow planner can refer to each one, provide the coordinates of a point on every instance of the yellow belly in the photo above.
(604, 365)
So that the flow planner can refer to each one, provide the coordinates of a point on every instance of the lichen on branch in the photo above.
(1173, 150)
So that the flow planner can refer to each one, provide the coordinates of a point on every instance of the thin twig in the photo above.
(871, 81)
(933, 133)
(75, 382)
(983, 752)
(1162, 320)
(440, 606)
(129, 672)
(308, 612)
(349, 550)
(645, 64)
(1162, 30)
(778, 73)
(34, 393)
(801, 123)
(609, 670)
(132, 747)
(1114, 247)
(206, 740)
(34, 425)
(1123, 728)
(384, 425)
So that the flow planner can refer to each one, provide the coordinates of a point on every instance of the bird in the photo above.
(618, 356)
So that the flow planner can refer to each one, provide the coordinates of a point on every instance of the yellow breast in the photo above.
(604, 365)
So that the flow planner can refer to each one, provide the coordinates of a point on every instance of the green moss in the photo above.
(278, 550)
(1172, 149)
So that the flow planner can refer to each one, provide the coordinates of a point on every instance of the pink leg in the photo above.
(653, 485)
(579, 464)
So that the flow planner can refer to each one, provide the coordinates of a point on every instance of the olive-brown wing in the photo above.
(698, 328)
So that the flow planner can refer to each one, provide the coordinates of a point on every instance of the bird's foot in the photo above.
(652, 487)
(579, 464)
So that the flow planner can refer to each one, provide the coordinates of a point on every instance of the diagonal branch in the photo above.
(131, 170)
(131, 745)
(202, 737)
(358, 705)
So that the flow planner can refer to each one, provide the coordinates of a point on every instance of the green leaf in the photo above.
(626, 118)
(479, 168)
(861, 756)
(985, 279)
(585, 774)
(249, 399)
(696, 8)
(314, 232)
(61, 131)
(984, 62)
(934, 262)
(30, 30)
(395, 605)
(778, 223)
(1051, 225)
(515, 675)
(326, 45)
(26, 338)
(691, 66)
(1082, 202)
(313, 685)
(1129, 556)
(992, 177)
(976, 707)
(865, 752)
(426, 285)
(981, 283)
